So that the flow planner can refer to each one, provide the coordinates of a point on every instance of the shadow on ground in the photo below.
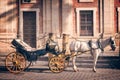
(111, 62)
(105, 62)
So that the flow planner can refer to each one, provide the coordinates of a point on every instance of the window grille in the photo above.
(86, 23)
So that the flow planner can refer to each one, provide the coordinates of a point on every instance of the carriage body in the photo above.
(24, 55)
(29, 53)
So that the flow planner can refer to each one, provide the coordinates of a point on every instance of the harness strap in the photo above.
(99, 45)
(90, 45)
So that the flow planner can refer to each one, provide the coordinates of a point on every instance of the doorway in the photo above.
(29, 28)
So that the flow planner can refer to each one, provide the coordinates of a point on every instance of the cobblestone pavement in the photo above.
(108, 68)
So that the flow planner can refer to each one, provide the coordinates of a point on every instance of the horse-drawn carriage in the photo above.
(24, 55)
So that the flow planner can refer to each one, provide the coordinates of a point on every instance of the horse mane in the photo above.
(105, 42)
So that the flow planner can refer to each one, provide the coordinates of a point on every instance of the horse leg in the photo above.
(74, 64)
(95, 56)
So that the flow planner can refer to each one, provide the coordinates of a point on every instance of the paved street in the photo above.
(108, 68)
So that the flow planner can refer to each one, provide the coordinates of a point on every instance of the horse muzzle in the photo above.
(113, 47)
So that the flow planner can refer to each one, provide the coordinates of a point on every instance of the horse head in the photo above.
(108, 41)
(112, 43)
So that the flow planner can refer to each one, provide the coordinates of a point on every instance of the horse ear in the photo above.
(112, 37)
(115, 36)
(101, 36)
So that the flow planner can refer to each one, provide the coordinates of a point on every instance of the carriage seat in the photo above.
(21, 44)
(24, 47)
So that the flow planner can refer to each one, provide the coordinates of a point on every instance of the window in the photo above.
(28, 1)
(86, 23)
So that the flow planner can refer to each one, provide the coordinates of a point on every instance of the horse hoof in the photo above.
(94, 70)
(76, 70)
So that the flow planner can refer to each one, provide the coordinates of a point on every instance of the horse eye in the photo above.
(112, 42)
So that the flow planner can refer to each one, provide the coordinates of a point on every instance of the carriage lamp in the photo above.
(117, 36)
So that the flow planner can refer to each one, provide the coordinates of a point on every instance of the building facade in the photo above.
(84, 19)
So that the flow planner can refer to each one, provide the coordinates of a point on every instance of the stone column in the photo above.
(67, 18)
(108, 17)
(47, 21)
(118, 19)
(101, 17)
(44, 16)
(55, 16)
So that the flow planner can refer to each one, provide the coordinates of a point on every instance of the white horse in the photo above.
(95, 48)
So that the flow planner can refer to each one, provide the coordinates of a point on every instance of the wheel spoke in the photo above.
(19, 68)
(13, 68)
(9, 58)
(9, 64)
(10, 67)
(22, 65)
(16, 68)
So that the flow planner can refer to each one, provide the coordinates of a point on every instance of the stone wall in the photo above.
(8, 23)
(108, 17)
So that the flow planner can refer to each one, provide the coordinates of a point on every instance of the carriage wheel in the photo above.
(56, 64)
(67, 58)
(15, 62)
